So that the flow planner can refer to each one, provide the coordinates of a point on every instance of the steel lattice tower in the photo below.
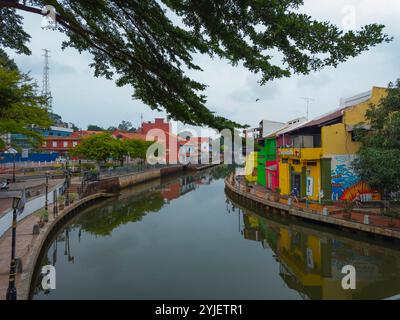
(46, 81)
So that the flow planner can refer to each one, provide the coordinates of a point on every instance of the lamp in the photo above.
(15, 203)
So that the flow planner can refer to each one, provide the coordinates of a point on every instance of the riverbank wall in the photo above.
(258, 201)
(114, 184)
(29, 245)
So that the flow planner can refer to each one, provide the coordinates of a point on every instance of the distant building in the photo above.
(60, 144)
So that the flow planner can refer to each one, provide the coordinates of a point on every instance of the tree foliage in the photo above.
(125, 125)
(20, 105)
(150, 44)
(378, 161)
(93, 127)
(104, 146)
(99, 147)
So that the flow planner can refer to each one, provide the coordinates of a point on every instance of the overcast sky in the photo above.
(81, 98)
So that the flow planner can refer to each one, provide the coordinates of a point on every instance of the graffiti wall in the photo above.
(346, 184)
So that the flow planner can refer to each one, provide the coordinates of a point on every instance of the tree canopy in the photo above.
(21, 107)
(378, 161)
(104, 146)
(150, 44)
(94, 127)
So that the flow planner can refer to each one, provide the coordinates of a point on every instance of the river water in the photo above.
(183, 238)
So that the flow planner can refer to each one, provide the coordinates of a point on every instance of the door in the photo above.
(296, 183)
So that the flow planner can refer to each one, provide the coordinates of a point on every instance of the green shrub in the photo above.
(88, 166)
(73, 196)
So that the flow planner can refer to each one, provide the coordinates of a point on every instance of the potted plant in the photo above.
(43, 217)
(392, 215)
(276, 195)
(61, 202)
(248, 186)
(72, 197)
(347, 208)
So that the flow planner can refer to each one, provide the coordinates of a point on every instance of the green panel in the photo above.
(326, 178)
(303, 182)
(270, 144)
(265, 153)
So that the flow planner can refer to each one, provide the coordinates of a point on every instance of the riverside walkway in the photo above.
(28, 245)
(258, 197)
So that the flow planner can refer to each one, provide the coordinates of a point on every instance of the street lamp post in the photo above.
(47, 190)
(13, 179)
(67, 182)
(12, 290)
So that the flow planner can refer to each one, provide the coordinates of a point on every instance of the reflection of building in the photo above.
(316, 157)
(178, 188)
(311, 261)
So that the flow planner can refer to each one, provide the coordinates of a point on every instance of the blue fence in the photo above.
(35, 157)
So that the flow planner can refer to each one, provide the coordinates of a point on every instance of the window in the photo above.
(296, 161)
(65, 144)
(310, 141)
(74, 144)
(54, 144)
(312, 163)
(285, 160)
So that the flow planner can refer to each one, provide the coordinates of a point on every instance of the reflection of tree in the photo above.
(38, 283)
(104, 220)
(220, 172)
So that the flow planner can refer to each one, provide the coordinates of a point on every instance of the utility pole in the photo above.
(46, 81)
(308, 100)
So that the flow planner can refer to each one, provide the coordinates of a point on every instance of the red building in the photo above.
(60, 144)
(169, 140)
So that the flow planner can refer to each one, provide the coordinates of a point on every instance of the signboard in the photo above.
(286, 152)
(25, 153)
(309, 186)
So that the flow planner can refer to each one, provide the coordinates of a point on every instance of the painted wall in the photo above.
(284, 178)
(356, 114)
(346, 184)
(250, 169)
(266, 154)
(336, 140)
(272, 176)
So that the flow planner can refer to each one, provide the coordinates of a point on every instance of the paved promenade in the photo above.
(35, 186)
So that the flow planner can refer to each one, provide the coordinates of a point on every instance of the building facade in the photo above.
(316, 158)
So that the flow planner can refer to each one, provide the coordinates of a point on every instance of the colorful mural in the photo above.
(346, 184)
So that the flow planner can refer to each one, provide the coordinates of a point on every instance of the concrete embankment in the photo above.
(29, 245)
(114, 184)
(259, 201)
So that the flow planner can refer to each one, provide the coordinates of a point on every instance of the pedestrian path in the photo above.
(356, 219)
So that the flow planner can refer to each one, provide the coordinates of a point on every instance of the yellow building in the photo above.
(250, 169)
(315, 157)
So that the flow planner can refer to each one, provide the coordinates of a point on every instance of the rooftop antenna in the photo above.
(308, 100)
(46, 81)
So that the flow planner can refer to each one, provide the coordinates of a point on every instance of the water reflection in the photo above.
(311, 260)
(183, 238)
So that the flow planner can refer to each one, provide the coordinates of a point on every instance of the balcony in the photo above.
(300, 153)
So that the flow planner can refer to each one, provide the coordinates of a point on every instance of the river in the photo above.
(183, 238)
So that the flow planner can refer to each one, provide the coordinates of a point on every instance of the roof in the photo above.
(82, 133)
(289, 127)
(128, 135)
(51, 138)
(336, 113)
